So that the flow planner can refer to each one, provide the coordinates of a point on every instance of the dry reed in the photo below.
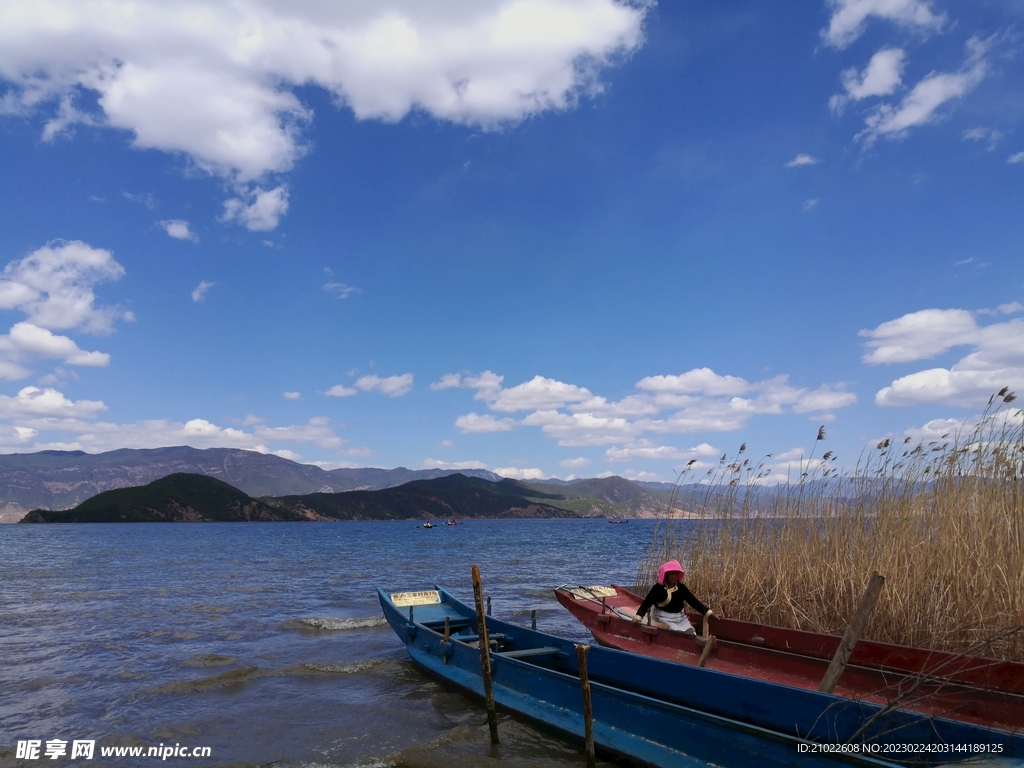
(942, 520)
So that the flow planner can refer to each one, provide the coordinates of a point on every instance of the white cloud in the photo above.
(53, 286)
(284, 453)
(849, 18)
(582, 429)
(200, 291)
(339, 390)
(317, 431)
(919, 335)
(699, 400)
(641, 476)
(699, 380)
(1017, 158)
(215, 81)
(33, 402)
(293, 395)
(802, 160)
(538, 393)
(996, 358)
(1010, 308)
(50, 412)
(474, 422)
(438, 464)
(646, 449)
(920, 105)
(577, 463)
(258, 209)
(824, 398)
(393, 386)
(810, 205)
(448, 381)
(12, 372)
(27, 340)
(993, 135)
(179, 230)
(515, 473)
(339, 290)
(882, 76)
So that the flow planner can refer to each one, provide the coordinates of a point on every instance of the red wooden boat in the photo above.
(969, 689)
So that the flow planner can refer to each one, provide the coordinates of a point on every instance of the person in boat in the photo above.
(667, 598)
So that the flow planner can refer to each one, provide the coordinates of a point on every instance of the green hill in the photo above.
(186, 497)
(180, 497)
(453, 496)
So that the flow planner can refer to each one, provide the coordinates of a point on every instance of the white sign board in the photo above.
(405, 599)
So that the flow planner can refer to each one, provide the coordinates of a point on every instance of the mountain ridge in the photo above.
(185, 497)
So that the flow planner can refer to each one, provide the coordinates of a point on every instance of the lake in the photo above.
(264, 642)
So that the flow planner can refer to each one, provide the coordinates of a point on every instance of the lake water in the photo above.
(265, 641)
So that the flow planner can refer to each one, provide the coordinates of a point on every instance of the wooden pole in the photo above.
(488, 605)
(447, 629)
(709, 641)
(485, 655)
(588, 714)
(852, 634)
(533, 619)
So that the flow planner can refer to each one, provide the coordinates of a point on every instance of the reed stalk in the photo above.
(942, 520)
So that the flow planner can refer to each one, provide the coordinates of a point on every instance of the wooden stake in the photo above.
(709, 641)
(485, 655)
(447, 629)
(533, 619)
(852, 634)
(588, 714)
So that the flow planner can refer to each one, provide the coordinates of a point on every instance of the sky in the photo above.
(548, 238)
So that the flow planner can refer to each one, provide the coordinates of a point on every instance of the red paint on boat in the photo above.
(970, 689)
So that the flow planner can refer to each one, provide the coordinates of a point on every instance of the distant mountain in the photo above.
(183, 497)
(454, 496)
(63, 479)
(608, 496)
(179, 497)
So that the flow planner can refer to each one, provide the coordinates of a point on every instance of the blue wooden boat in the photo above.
(535, 675)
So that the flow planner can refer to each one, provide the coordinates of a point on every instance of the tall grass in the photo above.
(942, 520)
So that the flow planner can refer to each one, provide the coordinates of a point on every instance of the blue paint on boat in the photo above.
(534, 675)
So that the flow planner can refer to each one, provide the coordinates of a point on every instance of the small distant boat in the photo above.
(452, 522)
(969, 694)
(428, 524)
(618, 521)
(536, 675)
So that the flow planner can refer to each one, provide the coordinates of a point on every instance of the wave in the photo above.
(345, 669)
(223, 680)
(341, 624)
(211, 660)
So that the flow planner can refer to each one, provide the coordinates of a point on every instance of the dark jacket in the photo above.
(680, 595)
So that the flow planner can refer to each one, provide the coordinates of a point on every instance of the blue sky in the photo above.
(546, 238)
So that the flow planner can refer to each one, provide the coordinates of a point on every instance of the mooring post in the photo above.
(852, 634)
(410, 614)
(588, 714)
(488, 605)
(709, 641)
(485, 655)
(447, 629)
(533, 619)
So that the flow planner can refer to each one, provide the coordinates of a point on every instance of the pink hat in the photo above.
(669, 567)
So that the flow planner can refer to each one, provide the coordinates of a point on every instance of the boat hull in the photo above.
(937, 712)
(545, 688)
